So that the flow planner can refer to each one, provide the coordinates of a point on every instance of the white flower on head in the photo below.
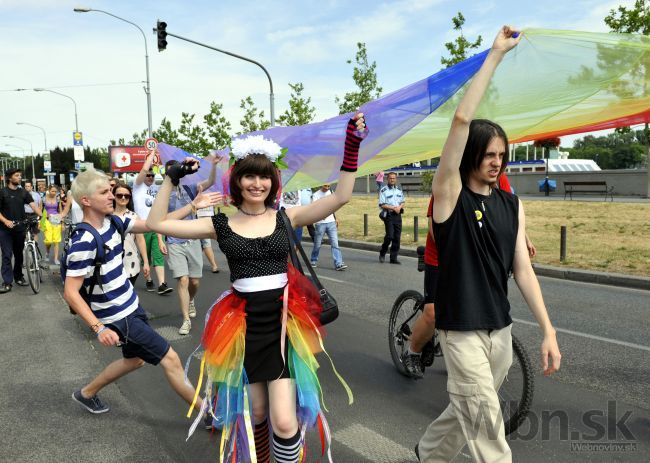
(255, 144)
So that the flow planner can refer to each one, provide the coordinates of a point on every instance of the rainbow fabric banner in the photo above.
(553, 83)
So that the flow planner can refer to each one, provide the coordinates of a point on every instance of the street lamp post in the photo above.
(38, 127)
(147, 89)
(31, 149)
(272, 115)
(76, 122)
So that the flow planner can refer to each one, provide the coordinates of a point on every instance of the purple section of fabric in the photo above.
(316, 150)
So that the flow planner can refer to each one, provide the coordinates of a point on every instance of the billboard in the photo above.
(127, 158)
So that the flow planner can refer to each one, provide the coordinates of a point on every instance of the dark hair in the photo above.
(481, 132)
(256, 164)
(121, 184)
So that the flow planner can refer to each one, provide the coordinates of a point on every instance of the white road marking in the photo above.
(332, 279)
(372, 446)
(589, 336)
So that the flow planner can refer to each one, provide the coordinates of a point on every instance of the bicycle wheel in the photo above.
(402, 317)
(516, 392)
(32, 267)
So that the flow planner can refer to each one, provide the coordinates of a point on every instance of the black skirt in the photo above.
(262, 358)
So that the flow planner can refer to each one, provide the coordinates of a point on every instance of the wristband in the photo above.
(103, 328)
(351, 148)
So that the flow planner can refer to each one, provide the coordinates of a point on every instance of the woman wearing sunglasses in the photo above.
(133, 244)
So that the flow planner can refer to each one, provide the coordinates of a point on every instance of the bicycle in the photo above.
(516, 392)
(32, 254)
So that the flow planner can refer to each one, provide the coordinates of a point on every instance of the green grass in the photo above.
(612, 237)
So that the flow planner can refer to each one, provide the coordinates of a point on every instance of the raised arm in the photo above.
(160, 222)
(447, 183)
(207, 183)
(148, 162)
(318, 210)
(529, 287)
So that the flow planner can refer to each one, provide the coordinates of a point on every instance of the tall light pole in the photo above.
(76, 122)
(38, 127)
(147, 89)
(161, 30)
(31, 149)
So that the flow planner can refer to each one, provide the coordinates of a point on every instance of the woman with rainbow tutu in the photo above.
(261, 336)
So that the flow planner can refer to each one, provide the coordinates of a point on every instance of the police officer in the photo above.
(391, 202)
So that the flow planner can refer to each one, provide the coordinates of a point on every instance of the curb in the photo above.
(563, 273)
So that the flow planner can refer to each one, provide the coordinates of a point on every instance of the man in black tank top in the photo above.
(479, 231)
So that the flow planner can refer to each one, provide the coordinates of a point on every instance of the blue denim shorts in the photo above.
(139, 339)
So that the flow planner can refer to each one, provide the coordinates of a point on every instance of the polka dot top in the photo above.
(253, 257)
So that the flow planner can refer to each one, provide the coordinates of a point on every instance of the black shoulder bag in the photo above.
(330, 306)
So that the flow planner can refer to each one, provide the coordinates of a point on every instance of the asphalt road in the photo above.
(605, 371)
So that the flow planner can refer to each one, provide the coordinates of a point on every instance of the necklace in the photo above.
(485, 198)
(253, 214)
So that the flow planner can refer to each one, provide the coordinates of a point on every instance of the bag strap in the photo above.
(100, 255)
(293, 241)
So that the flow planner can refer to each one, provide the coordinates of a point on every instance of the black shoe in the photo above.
(5, 288)
(150, 286)
(382, 258)
(413, 365)
(396, 262)
(21, 282)
(93, 405)
(164, 289)
(417, 452)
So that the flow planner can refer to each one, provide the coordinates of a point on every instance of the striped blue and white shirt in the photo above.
(115, 299)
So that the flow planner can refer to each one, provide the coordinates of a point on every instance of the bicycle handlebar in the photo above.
(27, 221)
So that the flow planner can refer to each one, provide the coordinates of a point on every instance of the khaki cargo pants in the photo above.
(477, 363)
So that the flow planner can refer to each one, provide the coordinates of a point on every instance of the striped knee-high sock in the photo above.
(262, 444)
(287, 450)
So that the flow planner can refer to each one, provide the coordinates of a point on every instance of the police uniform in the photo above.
(392, 196)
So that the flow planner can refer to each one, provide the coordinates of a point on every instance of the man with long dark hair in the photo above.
(480, 234)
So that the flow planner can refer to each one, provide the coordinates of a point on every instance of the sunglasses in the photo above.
(151, 175)
(123, 196)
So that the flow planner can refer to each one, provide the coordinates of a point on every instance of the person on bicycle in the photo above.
(425, 325)
(13, 199)
(480, 234)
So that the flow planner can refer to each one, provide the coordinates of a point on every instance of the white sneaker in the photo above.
(192, 310)
(185, 327)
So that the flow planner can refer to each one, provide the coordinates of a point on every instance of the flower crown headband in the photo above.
(257, 144)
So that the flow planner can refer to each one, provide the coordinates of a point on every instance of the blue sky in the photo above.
(44, 43)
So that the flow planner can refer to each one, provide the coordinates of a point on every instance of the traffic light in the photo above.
(161, 31)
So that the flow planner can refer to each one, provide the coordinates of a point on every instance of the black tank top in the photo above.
(253, 257)
(476, 248)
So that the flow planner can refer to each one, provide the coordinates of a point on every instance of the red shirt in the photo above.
(504, 183)
(430, 250)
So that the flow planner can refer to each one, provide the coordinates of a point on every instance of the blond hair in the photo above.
(87, 183)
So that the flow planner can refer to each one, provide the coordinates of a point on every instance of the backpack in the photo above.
(100, 256)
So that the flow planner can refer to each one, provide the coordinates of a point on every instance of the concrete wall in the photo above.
(625, 182)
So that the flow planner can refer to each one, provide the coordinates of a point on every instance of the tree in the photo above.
(459, 48)
(634, 21)
(253, 119)
(365, 77)
(138, 139)
(300, 111)
(193, 136)
(218, 127)
(166, 133)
